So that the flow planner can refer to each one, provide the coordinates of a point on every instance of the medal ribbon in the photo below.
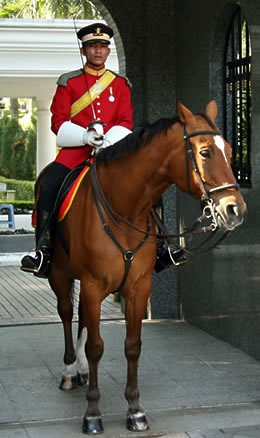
(88, 97)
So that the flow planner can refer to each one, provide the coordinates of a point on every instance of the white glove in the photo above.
(115, 134)
(72, 135)
(92, 138)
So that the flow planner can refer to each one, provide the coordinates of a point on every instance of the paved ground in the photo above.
(192, 385)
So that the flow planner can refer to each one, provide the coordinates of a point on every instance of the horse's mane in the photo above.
(141, 136)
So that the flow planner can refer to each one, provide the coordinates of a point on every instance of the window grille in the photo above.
(238, 96)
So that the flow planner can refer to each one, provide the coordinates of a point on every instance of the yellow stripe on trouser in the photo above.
(98, 88)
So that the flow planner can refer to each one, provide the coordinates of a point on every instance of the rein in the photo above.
(209, 210)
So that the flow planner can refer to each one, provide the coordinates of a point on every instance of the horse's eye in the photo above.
(205, 153)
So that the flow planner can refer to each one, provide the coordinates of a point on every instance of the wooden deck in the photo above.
(26, 299)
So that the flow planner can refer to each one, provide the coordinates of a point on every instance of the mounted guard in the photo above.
(91, 109)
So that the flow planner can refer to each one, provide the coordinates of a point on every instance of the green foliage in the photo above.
(48, 9)
(11, 133)
(24, 190)
(29, 159)
(3, 122)
(17, 169)
(22, 207)
(17, 149)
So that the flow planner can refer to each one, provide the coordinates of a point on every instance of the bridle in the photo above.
(209, 210)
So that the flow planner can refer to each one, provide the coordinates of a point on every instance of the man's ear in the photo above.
(82, 51)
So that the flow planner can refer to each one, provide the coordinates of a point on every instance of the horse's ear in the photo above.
(184, 113)
(212, 110)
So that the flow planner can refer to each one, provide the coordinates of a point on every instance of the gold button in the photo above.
(98, 103)
(98, 111)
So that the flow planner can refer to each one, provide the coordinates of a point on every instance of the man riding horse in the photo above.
(91, 94)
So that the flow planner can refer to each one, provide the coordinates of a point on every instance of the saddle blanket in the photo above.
(66, 201)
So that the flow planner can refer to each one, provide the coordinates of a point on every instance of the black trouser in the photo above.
(45, 227)
(51, 185)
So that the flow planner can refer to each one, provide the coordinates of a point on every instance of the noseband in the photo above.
(209, 210)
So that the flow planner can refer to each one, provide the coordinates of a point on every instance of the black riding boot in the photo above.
(166, 256)
(40, 264)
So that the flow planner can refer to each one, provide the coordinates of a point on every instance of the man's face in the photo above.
(96, 53)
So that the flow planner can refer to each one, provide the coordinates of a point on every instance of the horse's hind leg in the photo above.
(82, 364)
(135, 308)
(62, 288)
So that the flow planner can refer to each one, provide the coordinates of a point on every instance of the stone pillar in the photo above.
(46, 140)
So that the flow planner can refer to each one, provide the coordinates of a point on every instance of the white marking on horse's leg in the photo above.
(219, 142)
(70, 370)
(82, 363)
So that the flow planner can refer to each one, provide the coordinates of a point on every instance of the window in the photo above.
(237, 97)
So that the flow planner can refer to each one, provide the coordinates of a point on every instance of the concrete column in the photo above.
(46, 140)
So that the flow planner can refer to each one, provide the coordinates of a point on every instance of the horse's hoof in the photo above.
(68, 382)
(92, 425)
(82, 379)
(137, 422)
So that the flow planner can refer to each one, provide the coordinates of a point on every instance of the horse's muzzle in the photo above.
(230, 213)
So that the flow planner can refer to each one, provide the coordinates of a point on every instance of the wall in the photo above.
(140, 34)
(220, 290)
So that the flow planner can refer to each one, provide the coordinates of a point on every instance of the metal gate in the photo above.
(238, 96)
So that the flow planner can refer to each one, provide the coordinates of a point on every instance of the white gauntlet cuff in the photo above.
(70, 135)
(115, 134)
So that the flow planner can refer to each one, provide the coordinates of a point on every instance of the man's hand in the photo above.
(93, 139)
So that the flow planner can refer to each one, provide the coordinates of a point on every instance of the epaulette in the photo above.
(123, 77)
(63, 79)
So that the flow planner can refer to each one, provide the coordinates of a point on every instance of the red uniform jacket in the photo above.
(111, 111)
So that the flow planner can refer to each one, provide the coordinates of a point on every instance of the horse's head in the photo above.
(209, 175)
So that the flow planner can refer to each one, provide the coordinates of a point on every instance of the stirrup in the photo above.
(180, 258)
(33, 258)
(166, 256)
(42, 269)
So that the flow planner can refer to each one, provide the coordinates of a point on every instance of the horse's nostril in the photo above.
(233, 210)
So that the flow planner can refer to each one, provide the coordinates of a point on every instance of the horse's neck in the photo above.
(134, 183)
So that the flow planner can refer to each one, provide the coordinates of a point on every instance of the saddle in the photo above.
(66, 193)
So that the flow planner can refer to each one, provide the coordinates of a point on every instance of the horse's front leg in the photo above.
(91, 303)
(136, 302)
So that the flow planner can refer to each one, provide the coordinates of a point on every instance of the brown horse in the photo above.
(133, 175)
